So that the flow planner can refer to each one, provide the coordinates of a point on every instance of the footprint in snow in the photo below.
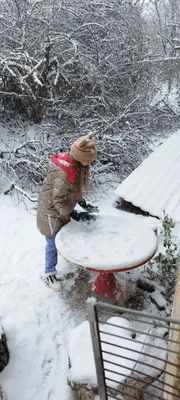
(47, 367)
(51, 395)
(57, 340)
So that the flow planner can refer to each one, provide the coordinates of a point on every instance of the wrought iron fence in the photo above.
(137, 354)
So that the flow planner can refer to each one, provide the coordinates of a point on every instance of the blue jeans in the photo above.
(51, 256)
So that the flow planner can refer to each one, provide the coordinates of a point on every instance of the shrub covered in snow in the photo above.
(166, 260)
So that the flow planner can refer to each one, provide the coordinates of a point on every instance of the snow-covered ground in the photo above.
(35, 320)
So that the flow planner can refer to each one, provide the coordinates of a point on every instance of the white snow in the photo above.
(109, 398)
(81, 352)
(154, 185)
(1, 330)
(130, 351)
(32, 134)
(81, 356)
(34, 318)
(127, 349)
(164, 96)
(4, 132)
(159, 299)
(108, 243)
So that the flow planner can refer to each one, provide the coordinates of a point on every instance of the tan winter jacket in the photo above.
(56, 201)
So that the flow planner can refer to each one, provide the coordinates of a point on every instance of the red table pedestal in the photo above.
(105, 284)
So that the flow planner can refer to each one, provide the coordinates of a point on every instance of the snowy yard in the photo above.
(70, 69)
(36, 320)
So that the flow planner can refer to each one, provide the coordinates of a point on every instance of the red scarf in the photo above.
(65, 162)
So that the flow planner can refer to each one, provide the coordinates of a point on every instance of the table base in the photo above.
(105, 284)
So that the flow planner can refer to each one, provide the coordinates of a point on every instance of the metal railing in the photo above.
(133, 352)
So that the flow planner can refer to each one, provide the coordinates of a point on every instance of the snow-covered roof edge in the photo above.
(154, 186)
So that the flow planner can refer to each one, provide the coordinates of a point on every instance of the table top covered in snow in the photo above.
(110, 243)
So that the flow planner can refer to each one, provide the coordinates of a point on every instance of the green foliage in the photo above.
(166, 261)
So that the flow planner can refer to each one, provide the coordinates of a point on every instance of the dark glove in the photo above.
(88, 207)
(82, 216)
(86, 216)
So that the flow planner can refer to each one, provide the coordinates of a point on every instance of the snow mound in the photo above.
(83, 370)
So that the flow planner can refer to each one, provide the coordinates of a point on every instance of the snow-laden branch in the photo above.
(24, 144)
(34, 69)
(11, 94)
(157, 60)
(36, 2)
(123, 113)
(21, 191)
(87, 25)
(36, 79)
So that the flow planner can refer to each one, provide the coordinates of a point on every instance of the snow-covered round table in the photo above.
(108, 245)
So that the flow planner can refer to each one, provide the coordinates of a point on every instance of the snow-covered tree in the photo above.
(62, 51)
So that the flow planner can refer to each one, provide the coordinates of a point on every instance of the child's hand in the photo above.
(82, 216)
(85, 216)
(92, 209)
(75, 215)
(88, 207)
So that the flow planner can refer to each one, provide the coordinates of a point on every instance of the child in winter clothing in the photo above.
(61, 191)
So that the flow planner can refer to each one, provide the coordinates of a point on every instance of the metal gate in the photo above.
(137, 356)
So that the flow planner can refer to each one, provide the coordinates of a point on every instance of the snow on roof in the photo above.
(155, 185)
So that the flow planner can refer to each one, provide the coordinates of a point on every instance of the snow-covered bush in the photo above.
(53, 53)
(26, 164)
(100, 54)
(166, 260)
